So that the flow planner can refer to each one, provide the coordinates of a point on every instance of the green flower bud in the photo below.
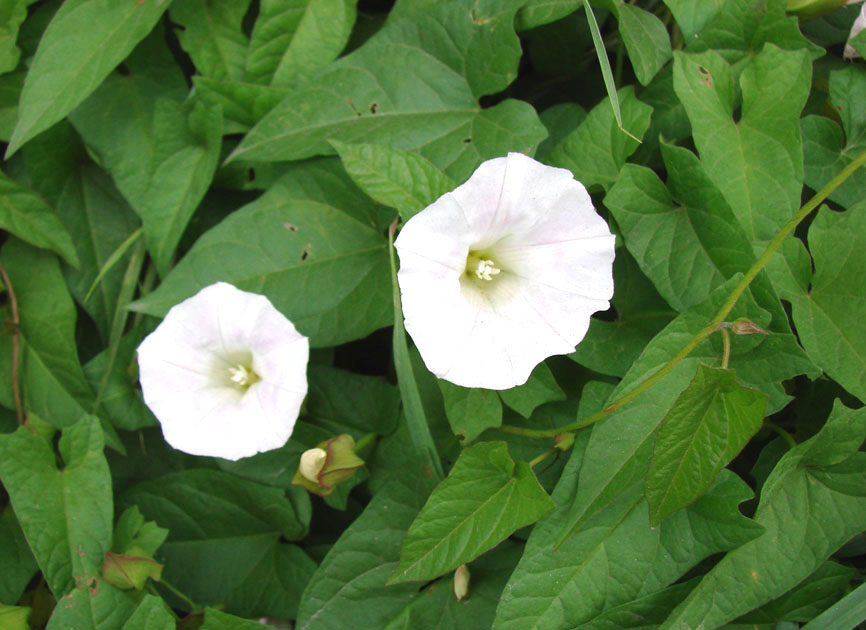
(745, 326)
(330, 463)
(126, 572)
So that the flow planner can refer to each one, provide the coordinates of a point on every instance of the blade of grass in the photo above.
(846, 613)
(607, 75)
(116, 255)
(414, 411)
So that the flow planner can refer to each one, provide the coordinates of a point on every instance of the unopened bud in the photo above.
(745, 326)
(128, 572)
(461, 582)
(312, 462)
(563, 441)
(808, 9)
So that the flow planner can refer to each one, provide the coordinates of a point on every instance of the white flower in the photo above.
(224, 373)
(859, 25)
(312, 462)
(503, 272)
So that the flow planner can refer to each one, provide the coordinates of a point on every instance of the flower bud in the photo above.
(312, 462)
(330, 463)
(126, 572)
(563, 441)
(745, 326)
(461, 582)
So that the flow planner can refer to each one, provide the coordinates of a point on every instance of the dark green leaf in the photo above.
(12, 13)
(709, 424)
(288, 245)
(218, 620)
(484, 499)
(26, 215)
(364, 403)
(470, 411)
(846, 613)
(831, 318)
(83, 43)
(92, 605)
(799, 511)
(646, 40)
(211, 34)
(352, 577)
(596, 151)
(15, 558)
(66, 514)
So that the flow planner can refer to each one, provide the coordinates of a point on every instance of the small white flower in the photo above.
(859, 25)
(224, 373)
(503, 272)
(312, 462)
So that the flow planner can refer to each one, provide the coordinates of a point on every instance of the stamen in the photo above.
(242, 375)
(486, 269)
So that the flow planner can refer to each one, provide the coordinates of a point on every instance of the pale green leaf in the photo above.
(393, 177)
(92, 605)
(646, 40)
(151, 614)
(692, 16)
(218, 620)
(539, 389)
(14, 617)
(805, 504)
(12, 14)
(756, 161)
(708, 425)
(85, 40)
(831, 318)
(484, 499)
(66, 514)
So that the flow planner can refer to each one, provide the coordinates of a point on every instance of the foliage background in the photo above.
(155, 147)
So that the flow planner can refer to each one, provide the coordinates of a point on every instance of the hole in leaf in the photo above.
(374, 107)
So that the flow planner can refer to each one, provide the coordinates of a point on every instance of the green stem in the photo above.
(543, 456)
(365, 441)
(781, 433)
(714, 324)
(726, 347)
(186, 600)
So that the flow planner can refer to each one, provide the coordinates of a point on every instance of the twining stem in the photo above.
(543, 456)
(13, 303)
(714, 324)
(365, 441)
(192, 605)
(781, 433)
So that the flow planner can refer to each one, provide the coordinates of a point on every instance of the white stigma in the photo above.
(486, 269)
(241, 375)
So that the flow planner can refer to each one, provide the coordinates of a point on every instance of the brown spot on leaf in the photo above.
(374, 107)
(306, 253)
(291, 227)
(706, 77)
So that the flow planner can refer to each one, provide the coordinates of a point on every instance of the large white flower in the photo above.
(225, 374)
(859, 25)
(503, 272)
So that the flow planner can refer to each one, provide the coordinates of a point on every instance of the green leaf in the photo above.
(10, 92)
(15, 558)
(218, 620)
(597, 150)
(621, 444)
(212, 36)
(799, 510)
(539, 12)
(83, 43)
(741, 28)
(611, 347)
(646, 40)
(66, 514)
(826, 149)
(151, 614)
(831, 318)
(363, 403)
(470, 411)
(808, 599)
(26, 215)
(756, 161)
(99, 220)
(614, 572)
(692, 17)
(12, 14)
(393, 177)
(484, 499)
(54, 384)
(293, 40)
(224, 544)
(288, 244)
(437, 607)
(134, 536)
(93, 605)
(430, 67)
(352, 577)
(539, 389)
(847, 612)
(187, 141)
(709, 424)
(243, 104)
